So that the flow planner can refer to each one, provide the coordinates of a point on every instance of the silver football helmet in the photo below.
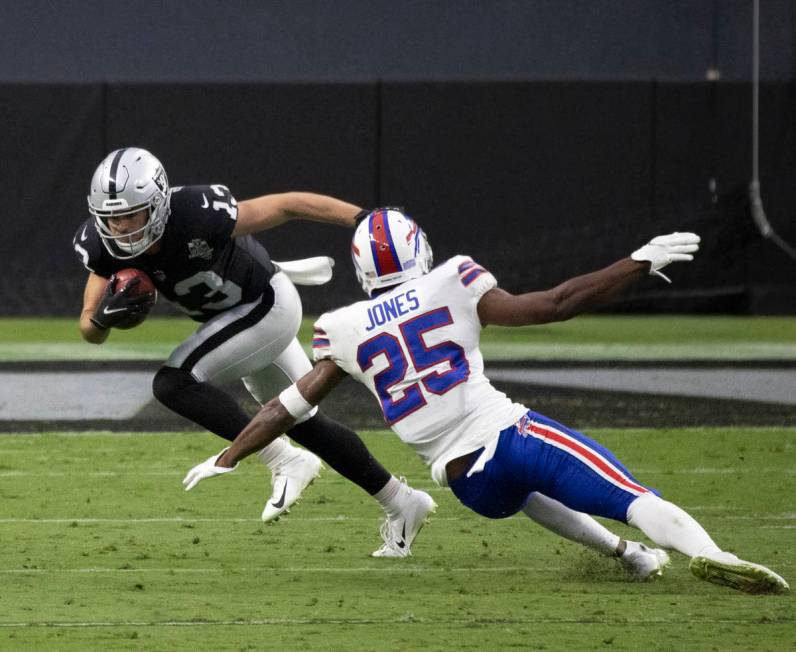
(127, 181)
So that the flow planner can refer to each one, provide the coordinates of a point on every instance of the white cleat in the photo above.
(726, 569)
(289, 480)
(399, 532)
(644, 564)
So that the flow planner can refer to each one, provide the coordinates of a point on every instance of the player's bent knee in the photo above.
(639, 505)
(169, 382)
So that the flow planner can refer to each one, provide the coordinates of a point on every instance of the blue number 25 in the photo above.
(422, 356)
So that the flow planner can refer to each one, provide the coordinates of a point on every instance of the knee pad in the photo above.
(169, 382)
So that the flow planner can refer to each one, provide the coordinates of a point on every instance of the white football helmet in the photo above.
(127, 181)
(389, 248)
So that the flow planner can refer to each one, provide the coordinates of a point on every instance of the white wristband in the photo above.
(294, 402)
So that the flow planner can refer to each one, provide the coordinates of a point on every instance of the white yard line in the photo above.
(777, 386)
(786, 516)
(340, 480)
(376, 568)
(19, 351)
(619, 351)
(289, 569)
(14, 438)
(408, 619)
(183, 519)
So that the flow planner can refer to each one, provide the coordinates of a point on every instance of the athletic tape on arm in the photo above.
(294, 402)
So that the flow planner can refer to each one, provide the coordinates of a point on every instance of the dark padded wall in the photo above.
(538, 180)
(509, 172)
(260, 139)
(52, 139)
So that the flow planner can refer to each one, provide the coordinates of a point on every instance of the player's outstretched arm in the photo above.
(589, 291)
(562, 302)
(269, 211)
(274, 418)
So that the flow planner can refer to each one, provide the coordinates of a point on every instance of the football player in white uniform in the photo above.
(196, 244)
(415, 345)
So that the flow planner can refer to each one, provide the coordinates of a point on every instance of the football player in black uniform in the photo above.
(195, 243)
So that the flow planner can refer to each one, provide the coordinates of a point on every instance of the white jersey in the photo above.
(416, 348)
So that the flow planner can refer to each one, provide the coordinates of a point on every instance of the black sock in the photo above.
(343, 450)
(202, 403)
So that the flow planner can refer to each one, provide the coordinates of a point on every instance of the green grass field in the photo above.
(102, 549)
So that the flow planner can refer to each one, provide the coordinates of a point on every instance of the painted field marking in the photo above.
(407, 619)
(787, 516)
(394, 569)
(764, 385)
(340, 480)
(289, 569)
(43, 350)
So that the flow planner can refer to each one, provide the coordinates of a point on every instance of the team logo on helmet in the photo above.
(389, 248)
(160, 180)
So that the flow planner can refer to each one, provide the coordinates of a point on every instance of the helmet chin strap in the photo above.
(136, 247)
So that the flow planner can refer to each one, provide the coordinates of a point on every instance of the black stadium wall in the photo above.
(537, 180)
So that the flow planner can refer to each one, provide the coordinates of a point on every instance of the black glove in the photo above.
(117, 307)
(361, 216)
(367, 211)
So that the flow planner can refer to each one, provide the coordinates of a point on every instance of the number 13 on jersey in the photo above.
(397, 404)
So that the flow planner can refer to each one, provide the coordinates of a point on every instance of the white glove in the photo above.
(206, 469)
(665, 249)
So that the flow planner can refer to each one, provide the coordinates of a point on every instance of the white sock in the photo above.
(277, 452)
(669, 526)
(572, 525)
(391, 496)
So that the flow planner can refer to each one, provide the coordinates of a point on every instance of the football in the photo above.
(145, 287)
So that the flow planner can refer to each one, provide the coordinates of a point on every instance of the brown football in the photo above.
(145, 286)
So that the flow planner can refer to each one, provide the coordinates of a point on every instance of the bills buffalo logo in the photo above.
(199, 249)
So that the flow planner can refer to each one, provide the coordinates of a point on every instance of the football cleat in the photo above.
(289, 480)
(399, 532)
(726, 569)
(644, 564)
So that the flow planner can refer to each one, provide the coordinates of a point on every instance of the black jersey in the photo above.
(200, 267)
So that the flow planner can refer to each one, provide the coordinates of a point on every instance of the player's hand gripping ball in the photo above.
(139, 288)
(128, 298)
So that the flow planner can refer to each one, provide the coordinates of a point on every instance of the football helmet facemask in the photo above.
(389, 248)
(127, 181)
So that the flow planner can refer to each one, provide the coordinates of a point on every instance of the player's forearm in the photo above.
(320, 208)
(89, 331)
(270, 422)
(269, 211)
(583, 293)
